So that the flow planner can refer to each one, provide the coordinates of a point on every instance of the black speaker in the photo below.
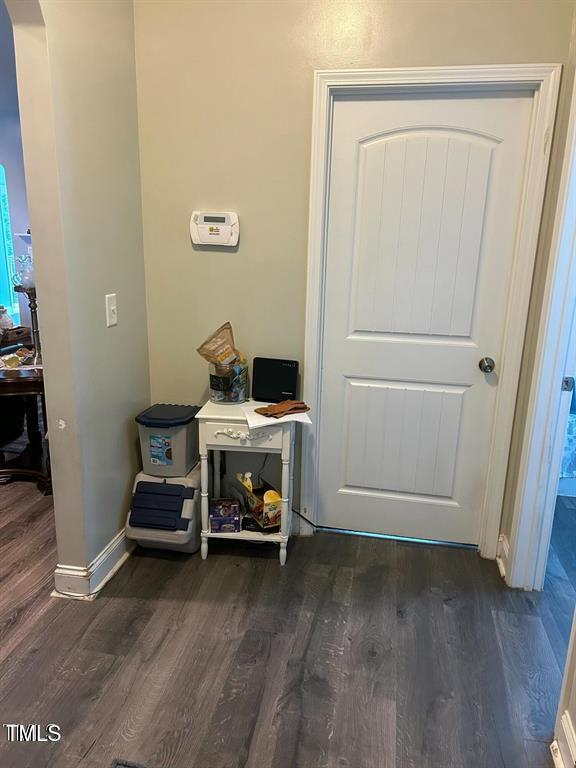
(274, 380)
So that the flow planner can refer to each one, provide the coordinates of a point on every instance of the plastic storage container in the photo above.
(164, 512)
(168, 439)
(228, 383)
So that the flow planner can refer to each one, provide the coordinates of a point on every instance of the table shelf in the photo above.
(225, 428)
(258, 536)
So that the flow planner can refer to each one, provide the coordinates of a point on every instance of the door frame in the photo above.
(563, 747)
(524, 556)
(540, 79)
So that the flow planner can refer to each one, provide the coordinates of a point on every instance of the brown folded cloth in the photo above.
(286, 407)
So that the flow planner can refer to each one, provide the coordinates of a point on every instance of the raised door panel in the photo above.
(421, 199)
(401, 437)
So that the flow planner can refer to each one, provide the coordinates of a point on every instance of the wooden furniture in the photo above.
(15, 337)
(224, 428)
(33, 463)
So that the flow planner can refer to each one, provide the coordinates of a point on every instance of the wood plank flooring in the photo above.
(359, 653)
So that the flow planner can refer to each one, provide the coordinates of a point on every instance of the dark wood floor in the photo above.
(27, 561)
(360, 653)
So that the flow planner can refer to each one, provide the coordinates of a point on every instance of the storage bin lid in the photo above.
(166, 415)
(159, 506)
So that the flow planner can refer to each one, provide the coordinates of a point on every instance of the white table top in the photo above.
(223, 412)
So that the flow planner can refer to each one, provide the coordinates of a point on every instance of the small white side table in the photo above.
(224, 428)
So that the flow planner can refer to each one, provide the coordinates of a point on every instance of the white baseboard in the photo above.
(556, 756)
(564, 748)
(306, 529)
(77, 583)
(502, 554)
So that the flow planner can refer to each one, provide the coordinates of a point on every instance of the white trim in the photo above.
(564, 732)
(569, 734)
(503, 554)
(563, 748)
(543, 81)
(557, 755)
(548, 406)
(79, 583)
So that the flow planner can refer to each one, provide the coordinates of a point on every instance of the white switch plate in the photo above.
(111, 311)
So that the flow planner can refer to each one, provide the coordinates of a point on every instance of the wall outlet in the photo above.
(111, 311)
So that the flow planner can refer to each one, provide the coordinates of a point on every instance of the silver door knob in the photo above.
(486, 365)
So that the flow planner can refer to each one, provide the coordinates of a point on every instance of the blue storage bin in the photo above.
(168, 439)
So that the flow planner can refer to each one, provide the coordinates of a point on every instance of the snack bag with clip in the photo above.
(265, 504)
(219, 347)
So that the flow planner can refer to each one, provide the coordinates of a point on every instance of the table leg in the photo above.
(44, 417)
(32, 425)
(291, 494)
(47, 464)
(285, 522)
(204, 491)
(217, 469)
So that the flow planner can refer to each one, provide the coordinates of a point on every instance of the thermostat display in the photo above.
(208, 228)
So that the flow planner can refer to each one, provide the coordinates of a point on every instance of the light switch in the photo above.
(111, 311)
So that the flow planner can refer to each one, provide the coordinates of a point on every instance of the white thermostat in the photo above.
(207, 228)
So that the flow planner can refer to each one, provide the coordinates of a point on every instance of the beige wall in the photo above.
(225, 110)
(225, 98)
(92, 67)
(80, 130)
(41, 165)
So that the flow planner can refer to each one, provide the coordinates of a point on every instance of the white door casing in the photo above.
(525, 553)
(564, 746)
(410, 276)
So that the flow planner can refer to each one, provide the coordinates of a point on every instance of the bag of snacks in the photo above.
(264, 504)
(228, 367)
(219, 347)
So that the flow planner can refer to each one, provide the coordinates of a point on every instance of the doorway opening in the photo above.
(561, 566)
(567, 480)
(545, 479)
(24, 460)
(559, 587)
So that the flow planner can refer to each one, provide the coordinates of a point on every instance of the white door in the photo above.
(424, 198)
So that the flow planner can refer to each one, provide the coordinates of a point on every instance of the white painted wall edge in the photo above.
(542, 80)
(77, 583)
(503, 554)
(548, 406)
